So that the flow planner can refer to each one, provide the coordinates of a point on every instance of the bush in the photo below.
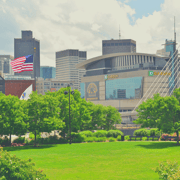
(144, 138)
(100, 139)
(86, 133)
(53, 139)
(90, 139)
(154, 132)
(14, 168)
(77, 137)
(112, 139)
(127, 138)
(100, 133)
(142, 132)
(114, 133)
(5, 141)
(150, 139)
(119, 138)
(138, 139)
(168, 170)
(19, 140)
(62, 141)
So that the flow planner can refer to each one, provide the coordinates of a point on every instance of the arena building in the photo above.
(122, 79)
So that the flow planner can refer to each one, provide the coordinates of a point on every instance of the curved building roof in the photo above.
(84, 64)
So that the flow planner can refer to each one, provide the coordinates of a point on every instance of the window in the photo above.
(124, 44)
(112, 44)
(120, 44)
(104, 44)
(116, 44)
(108, 44)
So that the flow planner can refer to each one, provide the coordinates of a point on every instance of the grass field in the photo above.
(107, 161)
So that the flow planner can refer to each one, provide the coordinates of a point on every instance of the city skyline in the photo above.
(73, 25)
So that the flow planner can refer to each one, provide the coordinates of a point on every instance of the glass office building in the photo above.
(47, 72)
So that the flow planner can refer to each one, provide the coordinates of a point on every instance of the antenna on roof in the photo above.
(119, 33)
(174, 31)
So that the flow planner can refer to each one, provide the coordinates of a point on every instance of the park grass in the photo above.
(107, 161)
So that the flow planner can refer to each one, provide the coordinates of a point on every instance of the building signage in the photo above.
(152, 73)
(112, 76)
(92, 91)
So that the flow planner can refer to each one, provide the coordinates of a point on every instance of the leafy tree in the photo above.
(11, 116)
(112, 116)
(160, 112)
(43, 112)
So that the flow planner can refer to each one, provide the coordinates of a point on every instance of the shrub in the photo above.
(154, 132)
(19, 140)
(53, 139)
(138, 139)
(144, 138)
(14, 168)
(132, 139)
(5, 141)
(100, 133)
(77, 137)
(119, 138)
(111, 139)
(86, 133)
(150, 139)
(127, 138)
(62, 141)
(90, 139)
(114, 133)
(168, 170)
(100, 139)
(142, 132)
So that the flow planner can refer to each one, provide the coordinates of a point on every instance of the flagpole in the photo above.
(34, 67)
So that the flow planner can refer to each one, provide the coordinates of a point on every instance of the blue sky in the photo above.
(82, 24)
(143, 7)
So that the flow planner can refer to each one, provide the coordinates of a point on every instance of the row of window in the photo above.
(118, 44)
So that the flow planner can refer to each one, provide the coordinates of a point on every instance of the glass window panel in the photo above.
(82, 86)
(112, 44)
(120, 44)
(116, 44)
(129, 88)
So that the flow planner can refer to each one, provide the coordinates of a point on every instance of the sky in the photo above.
(83, 24)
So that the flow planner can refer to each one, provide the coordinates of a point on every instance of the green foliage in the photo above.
(138, 139)
(100, 139)
(53, 139)
(111, 139)
(100, 133)
(114, 133)
(86, 133)
(141, 132)
(144, 138)
(32, 136)
(5, 141)
(90, 139)
(19, 140)
(119, 138)
(127, 138)
(150, 139)
(63, 141)
(154, 132)
(12, 167)
(77, 137)
(112, 117)
(168, 170)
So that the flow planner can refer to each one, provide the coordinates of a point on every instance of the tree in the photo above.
(11, 116)
(112, 116)
(43, 112)
(160, 112)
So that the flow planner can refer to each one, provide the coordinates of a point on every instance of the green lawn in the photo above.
(111, 160)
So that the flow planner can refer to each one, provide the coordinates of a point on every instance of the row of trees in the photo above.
(44, 113)
(161, 112)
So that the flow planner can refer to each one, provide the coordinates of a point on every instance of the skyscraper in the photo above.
(47, 72)
(118, 46)
(65, 66)
(5, 66)
(25, 46)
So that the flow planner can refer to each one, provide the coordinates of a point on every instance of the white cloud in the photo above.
(84, 24)
(4, 0)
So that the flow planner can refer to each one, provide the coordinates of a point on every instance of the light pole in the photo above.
(72, 92)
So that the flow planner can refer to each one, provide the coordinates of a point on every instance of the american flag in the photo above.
(21, 64)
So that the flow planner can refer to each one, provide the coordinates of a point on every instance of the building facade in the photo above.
(118, 46)
(122, 79)
(47, 72)
(5, 66)
(65, 66)
(51, 85)
(25, 46)
(17, 87)
(2, 85)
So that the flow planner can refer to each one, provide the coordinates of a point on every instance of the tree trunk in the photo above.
(35, 138)
(10, 138)
(177, 132)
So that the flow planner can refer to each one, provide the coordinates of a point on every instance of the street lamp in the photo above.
(72, 92)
